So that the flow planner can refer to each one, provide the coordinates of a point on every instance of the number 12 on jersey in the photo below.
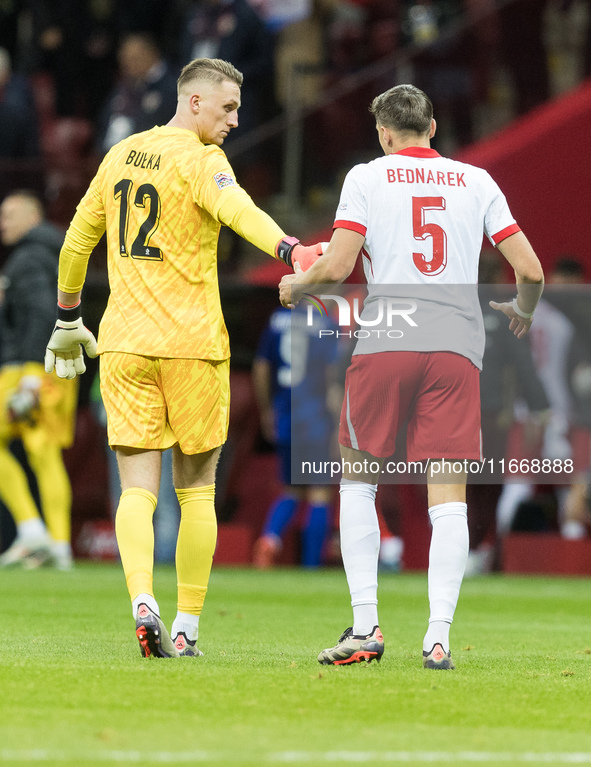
(140, 247)
(421, 231)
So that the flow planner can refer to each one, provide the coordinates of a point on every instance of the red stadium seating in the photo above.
(540, 164)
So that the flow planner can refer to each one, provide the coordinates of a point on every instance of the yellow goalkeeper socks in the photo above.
(195, 547)
(135, 537)
(194, 554)
(14, 488)
(54, 490)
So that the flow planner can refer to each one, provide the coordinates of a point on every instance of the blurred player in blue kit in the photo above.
(292, 380)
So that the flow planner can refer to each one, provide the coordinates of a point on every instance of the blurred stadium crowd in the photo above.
(77, 76)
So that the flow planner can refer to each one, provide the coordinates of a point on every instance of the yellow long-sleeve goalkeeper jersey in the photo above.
(161, 196)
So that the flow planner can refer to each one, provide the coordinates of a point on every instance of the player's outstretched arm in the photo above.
(64, 348)
(240, 213)
(529, 278)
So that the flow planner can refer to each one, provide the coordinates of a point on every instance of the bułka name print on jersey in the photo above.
(141, 160)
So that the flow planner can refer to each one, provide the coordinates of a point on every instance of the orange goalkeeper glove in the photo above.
(290, 250)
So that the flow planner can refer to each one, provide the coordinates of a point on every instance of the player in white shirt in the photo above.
(418, 219)
(551, 341)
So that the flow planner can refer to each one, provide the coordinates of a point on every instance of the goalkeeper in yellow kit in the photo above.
(161, 196)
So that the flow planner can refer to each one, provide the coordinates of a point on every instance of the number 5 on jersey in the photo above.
(140, 247)
(437, 262)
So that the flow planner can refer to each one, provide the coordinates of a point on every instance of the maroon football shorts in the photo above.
(438, 393)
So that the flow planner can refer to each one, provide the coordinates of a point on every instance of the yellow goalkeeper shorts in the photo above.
(53, 420)
(154, 403)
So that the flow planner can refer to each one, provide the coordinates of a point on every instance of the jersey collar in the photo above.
(418, 151)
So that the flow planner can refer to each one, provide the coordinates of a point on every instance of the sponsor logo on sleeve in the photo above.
(223, 180)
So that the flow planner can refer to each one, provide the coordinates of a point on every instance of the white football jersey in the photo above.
(423, 217)
(551, 337)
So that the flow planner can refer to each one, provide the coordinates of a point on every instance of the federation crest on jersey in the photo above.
(223, 180)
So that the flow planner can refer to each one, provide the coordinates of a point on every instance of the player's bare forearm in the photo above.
(332, 268)
(529, 275)
(338, 260)
(529, 278)
(520, 254)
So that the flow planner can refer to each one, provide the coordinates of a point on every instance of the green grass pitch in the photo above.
(75, 690)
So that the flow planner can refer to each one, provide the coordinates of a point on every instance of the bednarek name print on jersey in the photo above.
(423, 217)
(424, 176)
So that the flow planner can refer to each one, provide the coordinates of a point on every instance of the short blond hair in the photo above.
(404, 108)
(211, 70)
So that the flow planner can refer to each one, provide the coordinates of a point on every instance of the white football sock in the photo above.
(188, 624)
(61, 549)
(365, 617)
(32, 530)
(360, 547)
(146, 599)
(573, 530)
(448, 554)
(391, 550)
(437, 633)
